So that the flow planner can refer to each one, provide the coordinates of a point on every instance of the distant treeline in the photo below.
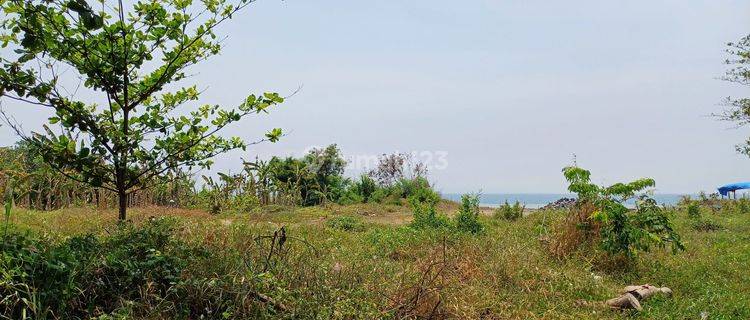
(314, 179)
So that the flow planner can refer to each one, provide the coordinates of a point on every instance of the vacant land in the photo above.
(363, 261)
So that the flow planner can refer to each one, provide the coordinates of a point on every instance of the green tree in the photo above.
(127, 56)
(738, 109)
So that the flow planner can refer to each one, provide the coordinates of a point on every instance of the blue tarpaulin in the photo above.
(726, 189)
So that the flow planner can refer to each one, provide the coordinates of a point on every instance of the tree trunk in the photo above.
(123, 200)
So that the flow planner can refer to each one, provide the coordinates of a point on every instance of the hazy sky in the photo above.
(505, 91)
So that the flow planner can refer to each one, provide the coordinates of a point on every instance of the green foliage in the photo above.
(386, 196)
(743, 205)
(417, 187)
(693, 209)
(225, 194)
(698, 222)
(467, 217)
(426, 215)
(86, 275)
(8, 207)
(509, 212)
(365, 187)
(346, 223)
(405, 188)
(315, 178)
(321, 273)
(623, 231)
(701, 224)
(735, 206)
(127, 56)
(738, 109)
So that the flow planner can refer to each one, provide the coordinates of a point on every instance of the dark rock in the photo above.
(563, 203)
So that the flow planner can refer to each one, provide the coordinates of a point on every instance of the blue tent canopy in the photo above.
(726, 189)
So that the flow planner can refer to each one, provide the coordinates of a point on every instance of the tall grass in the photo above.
(238, 267)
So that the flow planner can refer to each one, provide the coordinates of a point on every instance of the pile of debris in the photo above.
(563, 203)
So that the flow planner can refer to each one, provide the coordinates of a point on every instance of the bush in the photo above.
(704, 225)
(622, 231)
(38, 279)
(697, 222)
(417, 186)
(743, 205)
(426, 215)
(509, 212)
(245, 202)
(365, 187)
(346, 223)
(467, 218)
(693, 209)
(86, 276)
(350, 196)
(386, 195)
(738, 206)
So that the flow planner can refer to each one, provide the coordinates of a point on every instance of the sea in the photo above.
(538, 200)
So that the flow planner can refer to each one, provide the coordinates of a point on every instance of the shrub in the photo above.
(704, 225)
(346, 223)
(365, 187)
(379, 195)
(509, 212)
(738, 206)
(419, 187)
(87, 276)
(38, 279)
(693, 209)
(743, 205)
(245, 202)
(623, 231)
(350, 198)
(697, 222)
(467, 218)
(426, 215)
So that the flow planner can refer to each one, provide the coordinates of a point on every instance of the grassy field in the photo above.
(363, 261)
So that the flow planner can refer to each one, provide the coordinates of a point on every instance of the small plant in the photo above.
(693, 209)
(467, 218)
(509, 212)
(346, 223)
(697, 221)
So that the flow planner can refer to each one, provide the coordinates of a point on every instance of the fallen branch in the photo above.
(631, 296)
(278, 306)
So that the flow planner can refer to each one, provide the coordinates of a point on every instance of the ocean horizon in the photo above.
(538, 200)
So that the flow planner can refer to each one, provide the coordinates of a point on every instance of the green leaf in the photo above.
(274, 135)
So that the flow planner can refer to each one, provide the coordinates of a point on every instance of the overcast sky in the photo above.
(497, 95)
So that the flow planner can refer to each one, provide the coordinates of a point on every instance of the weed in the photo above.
(346, 223)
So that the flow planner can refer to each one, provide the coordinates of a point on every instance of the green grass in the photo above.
(387, 270)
